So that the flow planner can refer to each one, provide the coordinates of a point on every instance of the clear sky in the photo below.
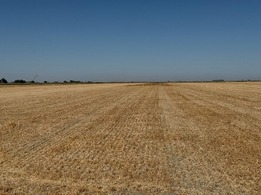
(130, 40)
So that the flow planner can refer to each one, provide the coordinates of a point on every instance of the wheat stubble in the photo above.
(130, 138)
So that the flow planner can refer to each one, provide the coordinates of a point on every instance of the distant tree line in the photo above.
(22, 81)
(219, 80)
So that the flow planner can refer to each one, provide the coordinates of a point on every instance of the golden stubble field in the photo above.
(192, 138)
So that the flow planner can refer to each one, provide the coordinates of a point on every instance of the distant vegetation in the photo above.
(3, 80)
(220, 80)
(22, 81)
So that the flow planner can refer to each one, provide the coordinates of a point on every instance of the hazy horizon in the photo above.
(130, 40)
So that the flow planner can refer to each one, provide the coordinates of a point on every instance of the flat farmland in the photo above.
(180, 138)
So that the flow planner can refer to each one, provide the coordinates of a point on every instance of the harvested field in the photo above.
(191, 138)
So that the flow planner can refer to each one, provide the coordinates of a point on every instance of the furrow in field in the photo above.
(33, 146)
(121, 149)
(239, 102)
(225, 150)
(51, 103)
(108, 160)
(81, 132)
(223, 115)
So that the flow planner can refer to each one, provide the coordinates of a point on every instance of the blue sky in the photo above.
(131, 40)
